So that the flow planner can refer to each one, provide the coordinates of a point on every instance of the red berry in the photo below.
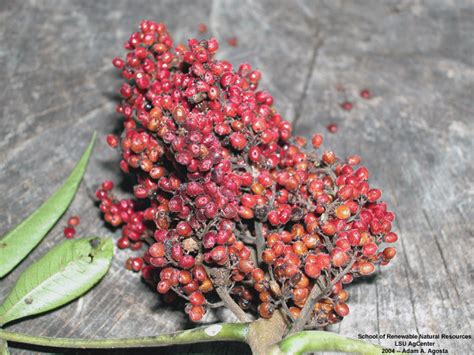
(273, 218)
(197, 299)
(136, 264)
(347, 279)
(266, 310)
(339, 257)
(123, 243)
(219, 254)
(157, 250)
(199, 273)
(373, 195)
(353, 160)
(101, 194)
(73, 221)
(362, 173)
(238, 141)
(365, 94)
(346, 106)
(163, 286)
(246, 266)
(332, 128)
(187, 261)
(317, 140)
(118, 63)
(323, 261)
(184, 229)
(312, 270)
(112, 140)
(369, 249)
(254, 154)
(328, 228)
(343, 296)
(185, 277)
(202, 28)
(136, 245)
(258, 275)
(248, 200)
(366, 268)
(196, 313)
(341, 309)
(329, 157)
(69, 232)
(126, 90)
(107, 185)
(389, 253)
(245, 212)
(268, 256)
(391, 237)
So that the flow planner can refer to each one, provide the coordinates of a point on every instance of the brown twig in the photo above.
(179, 293)
(272, 199)
(216, 304)
(247, 238)
(286, 311)
(328, 171)
(260, 241)
(230, 303)
(208, 227)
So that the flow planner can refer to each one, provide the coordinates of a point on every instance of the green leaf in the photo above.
(21, 240)
(67, 271)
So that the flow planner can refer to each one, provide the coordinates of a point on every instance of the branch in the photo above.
(215, 332)
(315, 295)
(286, 311)
(260, 241)
(246, 238)
(296, 344)
(310, 341)
(215, 305)
(230, 303)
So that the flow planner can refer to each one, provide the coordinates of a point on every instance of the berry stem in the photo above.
(230, 303)
(215, 332)
(310, 341)
(315, 295)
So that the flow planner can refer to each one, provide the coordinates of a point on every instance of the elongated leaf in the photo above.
(18, 243)
(63, 274)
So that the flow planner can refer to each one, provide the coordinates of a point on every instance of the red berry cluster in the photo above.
(227, 200)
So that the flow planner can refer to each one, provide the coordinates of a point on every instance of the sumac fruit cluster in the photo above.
(227, 198)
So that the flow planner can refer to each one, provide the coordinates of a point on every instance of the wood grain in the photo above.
(415, 135)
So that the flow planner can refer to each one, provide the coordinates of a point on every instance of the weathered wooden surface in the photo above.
(415, 135)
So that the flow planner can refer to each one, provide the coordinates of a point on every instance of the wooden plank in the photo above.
(415, 136)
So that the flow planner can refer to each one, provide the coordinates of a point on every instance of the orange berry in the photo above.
(343, 212)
